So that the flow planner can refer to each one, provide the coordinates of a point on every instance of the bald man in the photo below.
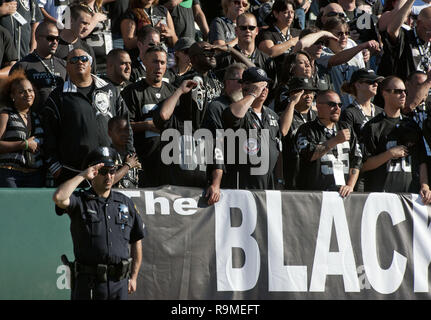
(76, 117)
(43, 69)
(406, 51)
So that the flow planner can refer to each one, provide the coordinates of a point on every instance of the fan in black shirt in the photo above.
(184, 111)
(143, 99)
(393, 148)
(329, 151)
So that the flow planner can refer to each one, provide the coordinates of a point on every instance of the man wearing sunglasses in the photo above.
(394, 151)
(76, 116)
(247, 32)
(330, 157)
(44, 70)
(103, 225)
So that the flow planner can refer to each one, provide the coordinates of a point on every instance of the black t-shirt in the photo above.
(64, 48)
(404, 56)
(45, 76)
(321, 173)
(291, 160)
(184, 20)
(356, 118)
(277, 37)
(239, 174)
(116, 10)
(143, 101)
(8, 52)
(397, 175)
(21, 33)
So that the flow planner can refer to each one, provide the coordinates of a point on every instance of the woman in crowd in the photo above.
(222, 29)
(363, 88)
(296, 64)
(144, 12)
(21, 135)
(279, 39)
(342, 57)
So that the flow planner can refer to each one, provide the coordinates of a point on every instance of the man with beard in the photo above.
(184, 111)
(72, 38)
(118, 68)
(76, 115)
(394, 151)
(44, 70)
(143, 99)
(330, 157)
(213, 121)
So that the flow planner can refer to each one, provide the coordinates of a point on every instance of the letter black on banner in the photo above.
(283, 245)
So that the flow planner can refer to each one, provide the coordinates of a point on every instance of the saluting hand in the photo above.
(91, 172)
(295, 97)
(187, 86)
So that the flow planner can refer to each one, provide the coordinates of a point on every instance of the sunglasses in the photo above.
(105, 170)
(333, 104)
(52, 38)
(396, 91)
(240, 3)
(370, 82)
(209, 53)
(334, 14)
(342, 33)
(234, 79)
(320, 43)
(74, 60)
(244, 28)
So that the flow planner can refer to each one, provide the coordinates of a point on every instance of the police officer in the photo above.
(103, 224)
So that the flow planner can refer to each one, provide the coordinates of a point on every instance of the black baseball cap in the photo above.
(254, 74)
(106, 155)
(301, 83)
(365, 74)
(183, 43)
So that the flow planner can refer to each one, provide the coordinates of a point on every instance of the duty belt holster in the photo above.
(105, 272)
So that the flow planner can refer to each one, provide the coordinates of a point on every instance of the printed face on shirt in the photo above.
(22, 94)
(155, 62)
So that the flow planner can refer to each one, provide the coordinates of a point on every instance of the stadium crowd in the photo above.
(284, 94)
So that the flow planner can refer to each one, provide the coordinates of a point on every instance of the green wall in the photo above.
(32, 239)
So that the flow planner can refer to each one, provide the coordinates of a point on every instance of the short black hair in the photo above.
(76, 9)
(116, 119)
(146, 30)
(114, 54)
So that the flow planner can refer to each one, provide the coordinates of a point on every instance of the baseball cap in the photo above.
(254, 74)
(365, 74)
(106, 155)
(183, 43)
(301, 83)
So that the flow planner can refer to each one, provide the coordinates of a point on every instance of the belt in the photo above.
(25, 170)
(105, 272)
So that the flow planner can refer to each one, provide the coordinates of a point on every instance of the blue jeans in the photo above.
(10, 178)
(300, 15)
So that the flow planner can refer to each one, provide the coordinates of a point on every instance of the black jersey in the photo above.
(356, 117)
(397, 175)
(321, 174)
(142, 101)
(291, 160)
(44, 74)
(240, 173)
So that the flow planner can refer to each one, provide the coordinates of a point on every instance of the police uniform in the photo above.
(102, 229)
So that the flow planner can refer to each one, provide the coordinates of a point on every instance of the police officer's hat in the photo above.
(301, 83)
(107, 155)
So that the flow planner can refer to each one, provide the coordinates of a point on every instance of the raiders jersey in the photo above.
(332, 170)
(143, 101)
(397, 175)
